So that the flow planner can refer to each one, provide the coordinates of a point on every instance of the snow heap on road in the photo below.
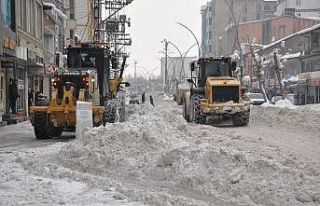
(157, 158)
(285, 103)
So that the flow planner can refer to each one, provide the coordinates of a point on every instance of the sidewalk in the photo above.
(12, 119)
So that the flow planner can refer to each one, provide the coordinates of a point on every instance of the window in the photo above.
(8, 13)
(315, 41)
(39, 21)
(33, 18)
(23, 14)
(298, 2)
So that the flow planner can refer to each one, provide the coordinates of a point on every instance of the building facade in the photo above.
(8, 43)
(218, 17)
(79, 24)
(54, 37)
(267, 31)
(29, 51)
(300, 8)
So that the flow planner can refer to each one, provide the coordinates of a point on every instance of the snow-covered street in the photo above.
(156, 158)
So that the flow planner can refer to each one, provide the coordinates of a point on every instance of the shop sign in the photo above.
(7, 64)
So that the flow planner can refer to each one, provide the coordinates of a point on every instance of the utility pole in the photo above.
(135, 71)
(166, 89)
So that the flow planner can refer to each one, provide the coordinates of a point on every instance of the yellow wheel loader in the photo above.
(215, 95)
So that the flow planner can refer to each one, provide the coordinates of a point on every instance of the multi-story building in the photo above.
(268, 30)
(79, 24)
(218, 16)
(54, 27)
(29, 52)
(8, 61)
(301, 8)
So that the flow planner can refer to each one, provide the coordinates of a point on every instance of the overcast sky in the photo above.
(155, 20)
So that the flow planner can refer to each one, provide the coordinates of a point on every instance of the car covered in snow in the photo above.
(255, 98)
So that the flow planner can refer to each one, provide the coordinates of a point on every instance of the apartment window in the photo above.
(282, 30)
(71, 9)
(39, 21)
(23, 15)
(315, 41)
(298, 2)
(8, 13)
(33, 18)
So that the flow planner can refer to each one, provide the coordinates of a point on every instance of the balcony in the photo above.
(59, 5)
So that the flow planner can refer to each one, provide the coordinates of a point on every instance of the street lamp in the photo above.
(199, 50)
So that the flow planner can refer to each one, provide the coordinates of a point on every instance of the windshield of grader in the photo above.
(84, 58)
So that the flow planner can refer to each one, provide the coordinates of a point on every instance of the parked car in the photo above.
(256, 98)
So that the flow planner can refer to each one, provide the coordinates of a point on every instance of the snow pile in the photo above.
(285, 103)
(303, 119)
(157, 158)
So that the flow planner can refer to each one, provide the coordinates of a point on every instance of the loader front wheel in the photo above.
(56, 132)
(241, 118)
(41, 125)
(198, 115)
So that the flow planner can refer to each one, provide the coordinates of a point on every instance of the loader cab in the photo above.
(214, 67)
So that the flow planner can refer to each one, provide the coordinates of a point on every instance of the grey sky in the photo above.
(154, 20)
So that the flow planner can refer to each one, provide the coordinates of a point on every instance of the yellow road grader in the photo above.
(87, 79)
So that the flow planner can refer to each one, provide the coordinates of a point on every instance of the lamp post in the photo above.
(166, 89)
(197, 41)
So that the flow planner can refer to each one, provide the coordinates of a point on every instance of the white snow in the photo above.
(290, 56)
(281, 104)
(157, 158)
(59, 12)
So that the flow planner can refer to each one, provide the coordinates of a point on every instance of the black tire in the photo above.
(42, 103)
(56, 131)
(199, 117)
(41, 125)
(122, 114)
(241, 118)
(186, 116)
(110, 115)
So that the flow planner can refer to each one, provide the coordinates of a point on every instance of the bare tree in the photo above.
(277, 69)
(260, 76)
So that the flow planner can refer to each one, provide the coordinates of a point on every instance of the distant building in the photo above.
(175, 67)
(300, 8)
(217, 17)
(301, 52)
(268, 30)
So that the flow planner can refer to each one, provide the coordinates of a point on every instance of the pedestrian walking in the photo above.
(30, 99)
(13, 95)
(143, 98)
(151, 101)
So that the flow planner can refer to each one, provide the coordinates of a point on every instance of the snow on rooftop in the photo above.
(304, 31)
(291, 56)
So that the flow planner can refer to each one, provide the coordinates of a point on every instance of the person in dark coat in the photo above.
(143, 98)
(151, 101)
(13, 95)
(30, 99)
